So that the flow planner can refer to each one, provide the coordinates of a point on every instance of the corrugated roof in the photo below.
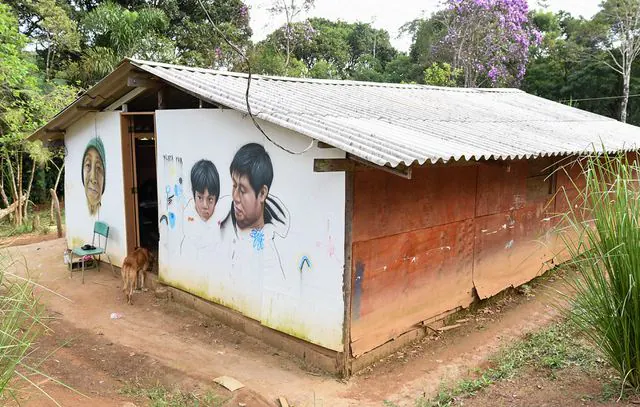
(392, 124)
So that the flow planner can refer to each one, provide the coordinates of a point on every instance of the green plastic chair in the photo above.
(100, 229)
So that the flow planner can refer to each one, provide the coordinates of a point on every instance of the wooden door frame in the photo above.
(129, 174)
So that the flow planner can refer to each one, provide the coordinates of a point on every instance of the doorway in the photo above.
(140, 180)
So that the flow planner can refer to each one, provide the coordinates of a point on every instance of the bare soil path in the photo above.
(159, 341)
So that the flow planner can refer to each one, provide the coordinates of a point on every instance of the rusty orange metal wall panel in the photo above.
(501, 187)
(408, 277)
(511, 249)
(385, 204)
(495, 219)
(514, 244)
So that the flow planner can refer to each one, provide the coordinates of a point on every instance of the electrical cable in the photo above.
(599, 98)
(244, 57)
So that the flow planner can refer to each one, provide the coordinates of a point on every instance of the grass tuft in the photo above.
(601, 232)
(556, 347)
(160, 396)
(21, 322)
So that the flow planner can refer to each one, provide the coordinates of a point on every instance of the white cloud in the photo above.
(385, 14)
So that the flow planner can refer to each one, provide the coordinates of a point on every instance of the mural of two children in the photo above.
(241, 228)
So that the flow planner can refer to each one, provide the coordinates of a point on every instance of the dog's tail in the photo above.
(126, 280)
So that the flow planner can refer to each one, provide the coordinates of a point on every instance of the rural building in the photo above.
(362, 213)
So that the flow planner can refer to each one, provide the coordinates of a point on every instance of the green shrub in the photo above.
(601, 232)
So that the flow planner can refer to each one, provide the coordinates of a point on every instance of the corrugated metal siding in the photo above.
(391, 124)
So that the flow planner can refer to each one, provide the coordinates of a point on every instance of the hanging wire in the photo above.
(246, 96)
(598, 98)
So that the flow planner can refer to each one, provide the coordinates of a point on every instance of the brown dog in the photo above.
(133, 269)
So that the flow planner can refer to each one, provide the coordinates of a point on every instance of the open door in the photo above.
(140, 180)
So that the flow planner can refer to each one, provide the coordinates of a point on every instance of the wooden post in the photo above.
(162, 98)
(36, 223)
(348, 273)
(56, 204)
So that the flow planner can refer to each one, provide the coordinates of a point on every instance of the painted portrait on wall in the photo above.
(253, 208)
(256, 217)
(94, 174)
(204, 211)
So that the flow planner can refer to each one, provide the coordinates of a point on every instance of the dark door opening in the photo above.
(146, 182)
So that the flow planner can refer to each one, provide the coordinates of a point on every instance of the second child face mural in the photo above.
(205, 185)
(93, 174)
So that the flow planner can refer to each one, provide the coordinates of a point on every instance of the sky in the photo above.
(386, 14)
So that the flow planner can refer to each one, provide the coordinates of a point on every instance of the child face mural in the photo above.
(205, 204)
(93, 174)
(248, 205)
(251, 173)
(205, 185)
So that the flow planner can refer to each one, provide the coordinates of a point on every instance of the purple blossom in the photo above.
(499, 46)
(218, 52)
(244, 11)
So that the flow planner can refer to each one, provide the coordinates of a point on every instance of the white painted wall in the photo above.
(267, 280)
(106, 126)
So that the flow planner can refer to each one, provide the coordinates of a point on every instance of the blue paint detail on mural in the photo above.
(357, 291)
(305, 260)
(172, 220)
(177, 188)
(168, 190)
(258, 239)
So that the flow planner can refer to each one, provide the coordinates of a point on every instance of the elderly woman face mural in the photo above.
(93, 174)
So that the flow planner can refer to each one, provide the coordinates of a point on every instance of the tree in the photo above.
(442, 75)
(402, 69)
(323, 69)
(569, 65)
(490, 40)
(290, 9)
(354, 50)
(266, 60)
(25, 103)
(623, 43)
(425, 35)
(197, 42)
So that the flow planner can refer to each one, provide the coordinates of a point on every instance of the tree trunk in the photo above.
(14, 192)
(56, 203)
(8, 211)
(20, 191)
(55, 188)
(26, 201)
(3, 194)
(626, 79)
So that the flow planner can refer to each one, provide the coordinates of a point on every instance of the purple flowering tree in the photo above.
(489, 40)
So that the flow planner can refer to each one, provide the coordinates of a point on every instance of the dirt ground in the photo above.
(27, 238)
(532, 388)
(160, 342)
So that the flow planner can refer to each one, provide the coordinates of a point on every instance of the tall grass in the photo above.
(22, 321)
(21, 318)
(601, 232)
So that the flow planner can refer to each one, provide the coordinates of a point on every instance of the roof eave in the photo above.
(94, 99)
